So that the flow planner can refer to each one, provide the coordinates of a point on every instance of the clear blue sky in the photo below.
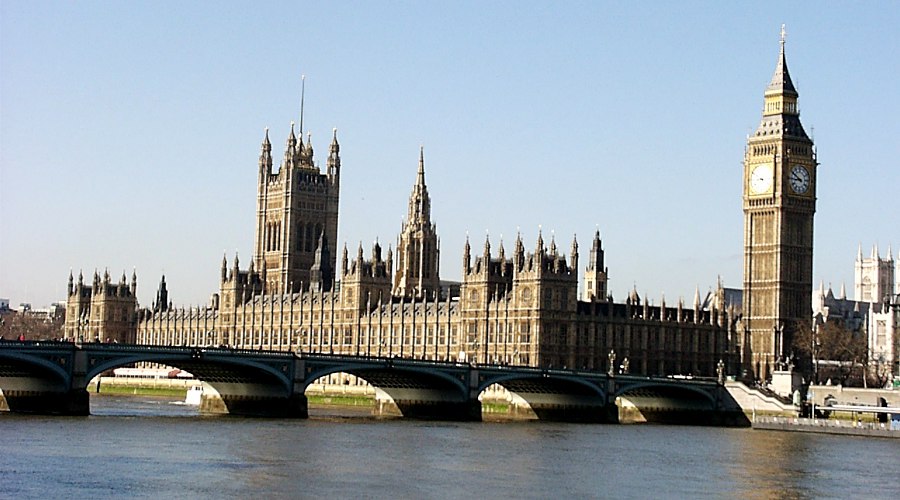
(130, 131)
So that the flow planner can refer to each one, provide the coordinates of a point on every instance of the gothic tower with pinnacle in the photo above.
(779, 196)
(596, 274)
(418, 248)
(296, 213)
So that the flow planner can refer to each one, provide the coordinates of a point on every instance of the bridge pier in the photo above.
(424, 408)
(709, 418)
(600, 414)
(567, 407)
(247, 400)
(75, 402)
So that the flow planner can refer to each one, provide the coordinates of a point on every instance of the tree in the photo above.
(15, 324)
(832, 343)
(878, 371)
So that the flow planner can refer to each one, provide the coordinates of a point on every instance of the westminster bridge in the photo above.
(52, 378)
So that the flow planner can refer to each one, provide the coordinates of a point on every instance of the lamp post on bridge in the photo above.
(611, 369)
(815, 353)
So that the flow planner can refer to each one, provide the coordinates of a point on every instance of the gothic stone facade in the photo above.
(103, 311)
(517, 310)
(520, 307)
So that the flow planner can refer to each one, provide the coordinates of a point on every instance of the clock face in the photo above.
(799, 179)
(761, 179)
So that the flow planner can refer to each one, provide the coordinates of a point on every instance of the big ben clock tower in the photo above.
(779, 204)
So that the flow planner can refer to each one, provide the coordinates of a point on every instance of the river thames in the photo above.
(145, 447)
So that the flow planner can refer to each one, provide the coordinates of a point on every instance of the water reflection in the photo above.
(146, 447)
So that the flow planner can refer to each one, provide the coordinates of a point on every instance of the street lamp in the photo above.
(815, 353)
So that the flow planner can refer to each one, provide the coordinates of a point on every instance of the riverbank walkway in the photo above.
(890, 429)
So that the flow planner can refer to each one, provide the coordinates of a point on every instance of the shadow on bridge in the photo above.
(52, 378)
(670, 402)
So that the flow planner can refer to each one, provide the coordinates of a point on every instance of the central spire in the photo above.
(417, 247)
(419, 201)
(421, 177)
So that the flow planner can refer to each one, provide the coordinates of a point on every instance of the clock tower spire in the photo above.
(779, 203)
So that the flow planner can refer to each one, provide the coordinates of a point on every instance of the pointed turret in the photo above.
(467, 256)
(633, 297)
(162, 296)
(389, 262)
(519, 252)
(265, 156)
(290, 147)
(574, 254)
(71, 286)
(596, 260)
(376, 251)
(334, 156)
(321, 276)
(308, 151)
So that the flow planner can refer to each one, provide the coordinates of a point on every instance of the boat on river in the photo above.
(193, 395)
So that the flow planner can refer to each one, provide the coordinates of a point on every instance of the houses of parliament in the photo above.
(520, 305)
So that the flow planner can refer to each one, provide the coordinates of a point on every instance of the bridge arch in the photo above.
(579, 385)
(374, 370)
(249, 383)
(52, 368)
(701, 393)
(406, 387)
(552, 396)
(667, 402)
(208, 368)
(37, 378)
